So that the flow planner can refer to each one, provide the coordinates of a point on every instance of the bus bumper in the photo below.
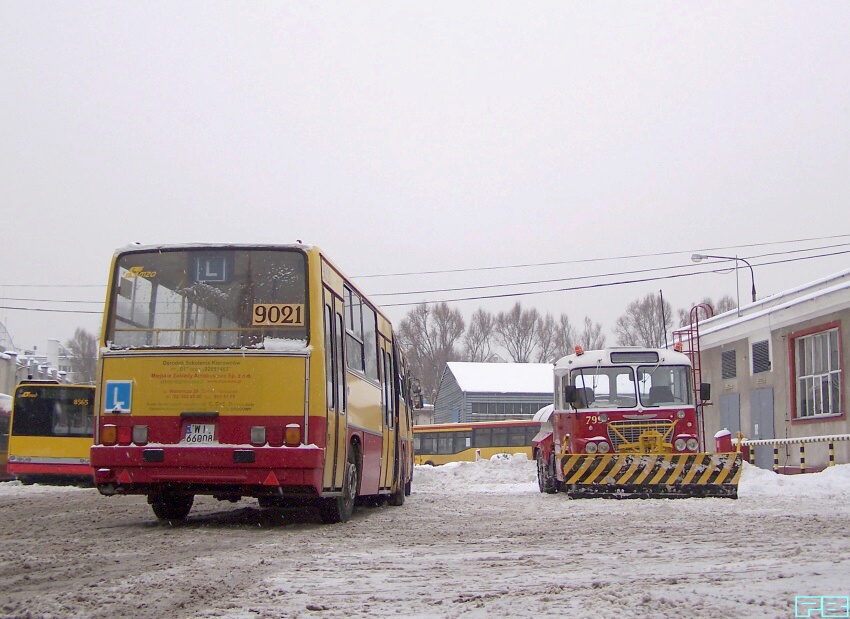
(225, 470)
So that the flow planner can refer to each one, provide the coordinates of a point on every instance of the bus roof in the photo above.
(625, 355)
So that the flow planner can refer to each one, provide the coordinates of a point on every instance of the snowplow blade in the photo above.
(646, 476)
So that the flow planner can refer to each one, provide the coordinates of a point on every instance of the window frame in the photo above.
(793, 340)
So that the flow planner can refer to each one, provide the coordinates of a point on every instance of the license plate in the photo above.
(199, 433)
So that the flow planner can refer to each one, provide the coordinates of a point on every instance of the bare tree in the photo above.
(479, 336)
(547, 337)
(428, 335)
(725, 304)
(644, 323)
(555, 339)
(567, 337)
(83, 350)
(591, 337)
(516, 330)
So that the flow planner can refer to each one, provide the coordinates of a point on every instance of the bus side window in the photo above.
(330, 352)
(341, 400)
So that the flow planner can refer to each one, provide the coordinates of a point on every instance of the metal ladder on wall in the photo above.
(686, 340)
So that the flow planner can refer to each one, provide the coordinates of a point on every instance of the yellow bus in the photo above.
(51, 432)
(248, 371)
(481, 440)
(5, 418)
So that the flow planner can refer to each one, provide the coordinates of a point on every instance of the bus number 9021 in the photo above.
(289, 314)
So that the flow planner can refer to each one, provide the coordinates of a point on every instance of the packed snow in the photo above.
(475, 539)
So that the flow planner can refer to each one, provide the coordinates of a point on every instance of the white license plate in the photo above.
(199, 433)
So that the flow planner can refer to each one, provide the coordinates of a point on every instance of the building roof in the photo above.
(782, 309)
(502, 377)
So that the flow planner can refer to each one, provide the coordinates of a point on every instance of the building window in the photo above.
(761, 357)
(729, 364)
(818, 374)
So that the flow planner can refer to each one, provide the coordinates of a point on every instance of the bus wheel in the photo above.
(397, 497)
(171, 506)
(340, 508)
(545, 480)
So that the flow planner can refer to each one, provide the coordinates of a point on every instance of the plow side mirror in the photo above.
(569, 394)
(705, 392)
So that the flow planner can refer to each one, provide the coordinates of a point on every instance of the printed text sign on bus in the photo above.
(278, 314)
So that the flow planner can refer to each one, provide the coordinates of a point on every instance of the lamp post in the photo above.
(701, 257)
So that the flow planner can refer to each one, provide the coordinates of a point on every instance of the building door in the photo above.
(761, 418)
(730, 413)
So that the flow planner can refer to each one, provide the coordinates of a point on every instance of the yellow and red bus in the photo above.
(480, 440)
(5, 419)
(248, 371)
(51, 432)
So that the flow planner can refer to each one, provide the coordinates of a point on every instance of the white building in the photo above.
(492, 391)
(777, 370)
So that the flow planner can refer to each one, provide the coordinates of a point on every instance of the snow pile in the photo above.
(501, 474)
(833, 481)
(518, 474)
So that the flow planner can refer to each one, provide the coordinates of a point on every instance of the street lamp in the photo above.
(701, 257)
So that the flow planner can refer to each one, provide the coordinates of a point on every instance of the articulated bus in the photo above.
(51, 432)
(480, 440)
(5, 418)
(248, 371)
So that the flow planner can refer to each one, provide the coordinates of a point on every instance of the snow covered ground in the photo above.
(473, 540)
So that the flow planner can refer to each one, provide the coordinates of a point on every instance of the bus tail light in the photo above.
(140, 435)
(108, 434)
(293, 435)
(275, 436)
(125, 435)
(258, 435)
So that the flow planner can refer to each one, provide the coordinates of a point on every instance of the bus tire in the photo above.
(169, 506)
(340, 508)
(396, 499)
(545, 480)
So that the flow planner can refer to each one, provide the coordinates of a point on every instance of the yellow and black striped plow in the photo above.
(652, 475)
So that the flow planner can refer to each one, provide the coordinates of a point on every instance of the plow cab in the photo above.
(624, 425)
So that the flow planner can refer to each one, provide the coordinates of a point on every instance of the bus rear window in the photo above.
(53, 411)
(208, 298)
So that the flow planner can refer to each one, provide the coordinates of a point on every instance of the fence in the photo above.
(802, 441)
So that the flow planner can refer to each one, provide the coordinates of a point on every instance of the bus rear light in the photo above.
(275, 436)
(125, 435)
(140, 435)
(258, 435)
(108, 434)
(293, 435)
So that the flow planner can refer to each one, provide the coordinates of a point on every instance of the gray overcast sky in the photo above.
(414, 136)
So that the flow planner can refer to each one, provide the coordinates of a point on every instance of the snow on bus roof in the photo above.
(502, 377)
